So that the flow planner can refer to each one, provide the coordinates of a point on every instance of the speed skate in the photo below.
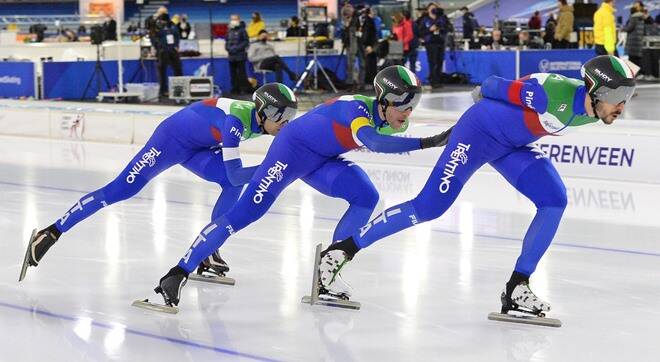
(207, 277)
(27, 256)
(521, 305)
(156, 307)
(318, 297)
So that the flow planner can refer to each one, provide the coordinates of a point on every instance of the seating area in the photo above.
(272, 11)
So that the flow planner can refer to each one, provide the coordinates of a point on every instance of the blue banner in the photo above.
(17, 79)
(566, 62)
(67, 80)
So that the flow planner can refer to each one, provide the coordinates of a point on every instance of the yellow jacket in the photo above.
(605, 27)
(254, 28)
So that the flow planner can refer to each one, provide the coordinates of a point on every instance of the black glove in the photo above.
(438, 140)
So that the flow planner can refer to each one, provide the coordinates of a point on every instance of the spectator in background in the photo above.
(167, 50)
(263, 56)
(634, 29)
(550, 30)
(403, 31)
(497, 41)
(525, 41)
(294, 28)
(470, 24)
(378, 22)
(349, 41)
(535, 21)
(411, 56)
(184, 27)
(605, 29)
(366, 40)
(434, 30)
(236, 46)
(256, 25)
(564, 25)
(109, 28)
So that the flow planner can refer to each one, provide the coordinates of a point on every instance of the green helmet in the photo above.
(399, 87)
(276, 102)
(608, 79)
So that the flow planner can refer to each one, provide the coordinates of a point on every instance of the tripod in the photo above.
(97, 73)
(142, 68)
(314, 65)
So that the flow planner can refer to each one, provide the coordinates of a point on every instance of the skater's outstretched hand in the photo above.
(438, 140)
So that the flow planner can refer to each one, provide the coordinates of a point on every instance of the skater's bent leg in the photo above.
(243, 213)
(226, 200)
(208, 165)
(276, 172)
(537, 179)
(466, 152)
(542, 184)
(343, 179)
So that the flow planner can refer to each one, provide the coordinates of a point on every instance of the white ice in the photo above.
(426, 292)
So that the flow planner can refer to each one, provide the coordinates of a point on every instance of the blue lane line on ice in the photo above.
(568, 245)
(183, 342)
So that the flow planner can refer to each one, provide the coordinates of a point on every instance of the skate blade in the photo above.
(156, 307)
(539, 321)
(331, 302)
(27, 255)
(212, 279)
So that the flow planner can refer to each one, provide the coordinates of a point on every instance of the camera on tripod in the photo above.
(97, 35)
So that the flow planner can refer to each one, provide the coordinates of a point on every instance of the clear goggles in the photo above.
(614, 96)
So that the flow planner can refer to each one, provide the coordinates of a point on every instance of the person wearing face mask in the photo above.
(184, 27)
(470, 24)
(263, 56)
(236, 46)
(434, 31)
(167, 50)
(256, 25)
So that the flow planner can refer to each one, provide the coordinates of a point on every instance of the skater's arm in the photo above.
(231, 138)
(525, 92)
(376, 142)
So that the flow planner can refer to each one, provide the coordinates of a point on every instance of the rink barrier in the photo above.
(623, 152)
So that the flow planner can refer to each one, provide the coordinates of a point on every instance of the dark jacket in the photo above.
(434, 37)
(237, 43)
(469, 25)
(168, 38)
(184, 29)
(367, 27)
(635, 34)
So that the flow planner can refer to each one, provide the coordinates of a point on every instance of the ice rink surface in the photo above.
(425, 292)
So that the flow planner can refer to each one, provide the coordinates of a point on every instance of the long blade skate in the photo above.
(212, 279)
(525, 319)
(316, 299)
(157, 307)
(27, 255)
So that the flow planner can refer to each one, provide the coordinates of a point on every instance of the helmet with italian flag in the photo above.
(398, 87)
(609, 79)
(276, 102)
